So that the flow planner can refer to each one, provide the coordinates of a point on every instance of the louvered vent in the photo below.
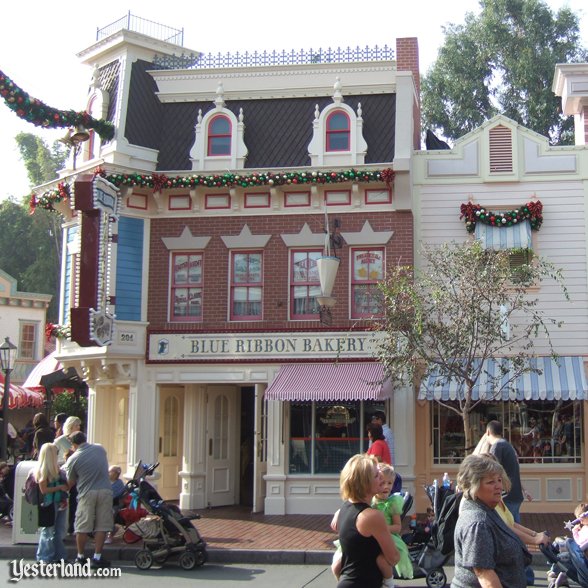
(500, 149)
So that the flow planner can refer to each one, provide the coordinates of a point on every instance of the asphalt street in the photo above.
(211, 574)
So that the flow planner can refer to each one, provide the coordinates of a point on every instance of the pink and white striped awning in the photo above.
(329, 381)
(20, 397)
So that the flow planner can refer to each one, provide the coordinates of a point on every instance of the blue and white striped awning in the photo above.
(563, 379)
(517, 236)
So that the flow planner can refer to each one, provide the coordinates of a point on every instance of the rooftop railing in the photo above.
(144, 26)
(284, 57)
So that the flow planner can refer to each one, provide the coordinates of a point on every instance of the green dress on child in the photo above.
(390, 507)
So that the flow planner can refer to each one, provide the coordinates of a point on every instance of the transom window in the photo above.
(304, 284)
(246, 285)
(367, 272)
(324, 435)
(186, 287)
(541, 431)
(338, 133)
(219, 136)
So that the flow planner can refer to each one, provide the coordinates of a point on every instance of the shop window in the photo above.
(170, 425)
(367, 272)
(186, 287)
(246, 286)
(219, 136)
(27, 341)
(542, 432)
(338, 131)
(304, 284)
(324, 435)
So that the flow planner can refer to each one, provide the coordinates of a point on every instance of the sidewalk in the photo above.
(235, 535)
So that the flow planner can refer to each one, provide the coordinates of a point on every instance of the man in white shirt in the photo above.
(379, 418)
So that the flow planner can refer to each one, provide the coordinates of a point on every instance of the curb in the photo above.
(250, 556)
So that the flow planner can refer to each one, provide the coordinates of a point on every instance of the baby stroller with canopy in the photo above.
(429, 557)
(165, 531)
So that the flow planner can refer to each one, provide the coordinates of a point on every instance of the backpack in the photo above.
(31, 490)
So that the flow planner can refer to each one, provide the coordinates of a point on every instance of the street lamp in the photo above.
(7, 357)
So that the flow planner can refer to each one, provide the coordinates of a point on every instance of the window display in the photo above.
(324, 435)
(540, 431)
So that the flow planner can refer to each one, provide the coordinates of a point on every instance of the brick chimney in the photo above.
(407, 59)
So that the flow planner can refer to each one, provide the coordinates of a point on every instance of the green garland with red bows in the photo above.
(41, 115)
(229, 180)
(476, 213)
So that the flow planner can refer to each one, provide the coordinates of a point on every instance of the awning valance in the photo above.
(563, 379)
(329, 381)
(21, 397)
(518, 236)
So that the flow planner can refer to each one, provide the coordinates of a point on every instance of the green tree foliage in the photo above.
(30, 245)
(464, 307)
(66, 402)
(502, 61)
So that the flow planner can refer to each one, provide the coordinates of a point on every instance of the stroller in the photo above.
(567, 557)
(430, 551)
(165, 531)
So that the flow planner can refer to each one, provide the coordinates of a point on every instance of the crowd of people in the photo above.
(490, 543)
(75, 483)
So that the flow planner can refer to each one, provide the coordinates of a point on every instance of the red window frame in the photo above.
(303, 283)
(212, 136)
(249, 284)
(338, 133)
(370, 282)
(193, 287)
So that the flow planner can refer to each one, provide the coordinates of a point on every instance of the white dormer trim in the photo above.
(185, 242)
(97, 106)
(305, 238)
(367, 236)
(317, 149)
(245, 240)
(199, 157)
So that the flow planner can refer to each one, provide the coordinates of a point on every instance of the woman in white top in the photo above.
(71, 425)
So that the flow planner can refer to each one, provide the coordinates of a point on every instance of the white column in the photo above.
(143, 420)
(403, 425)
(275, 479)
(193, 473)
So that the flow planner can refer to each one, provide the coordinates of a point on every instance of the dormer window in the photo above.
(338, 131)
(219, 136)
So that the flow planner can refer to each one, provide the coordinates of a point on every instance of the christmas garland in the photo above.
(41, 115)
(228, 180)
(231, 180)
(50, 197)
(475, 213)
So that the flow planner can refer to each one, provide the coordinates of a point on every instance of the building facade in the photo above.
(191, 269)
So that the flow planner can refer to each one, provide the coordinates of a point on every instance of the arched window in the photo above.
(219, 136)
(338, 131)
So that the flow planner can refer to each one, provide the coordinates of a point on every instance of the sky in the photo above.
(39, 53)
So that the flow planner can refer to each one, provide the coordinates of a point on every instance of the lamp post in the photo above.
(7, 356)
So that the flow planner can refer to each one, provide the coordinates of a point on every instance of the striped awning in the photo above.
(498, 238)
(563, 379)
(329, 381)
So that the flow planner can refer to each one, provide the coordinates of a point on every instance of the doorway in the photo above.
(171, 434)
(246, 444)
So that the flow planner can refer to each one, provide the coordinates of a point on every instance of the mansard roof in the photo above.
(277, 131)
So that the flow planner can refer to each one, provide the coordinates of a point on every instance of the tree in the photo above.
(37, 266)
(502, 61)
(466, 306)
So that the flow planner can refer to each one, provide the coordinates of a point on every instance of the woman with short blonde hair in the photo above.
(488, 553)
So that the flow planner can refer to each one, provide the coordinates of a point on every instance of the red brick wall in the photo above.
(275, 267)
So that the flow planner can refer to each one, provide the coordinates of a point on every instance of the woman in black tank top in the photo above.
(363, 532)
